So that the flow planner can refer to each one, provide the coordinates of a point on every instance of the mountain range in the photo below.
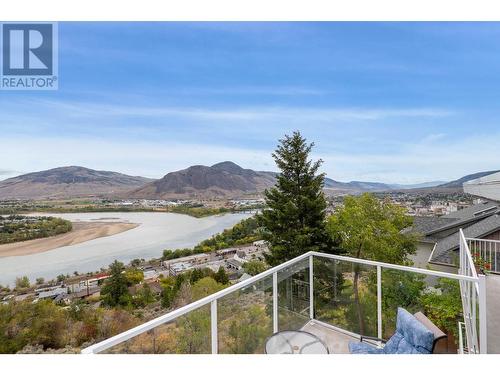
(68, 182)
(221, 180)
(459, 182)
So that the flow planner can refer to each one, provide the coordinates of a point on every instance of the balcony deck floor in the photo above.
(336, 341)
(492, 309)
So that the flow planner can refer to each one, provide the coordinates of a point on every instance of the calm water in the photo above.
(156, 232)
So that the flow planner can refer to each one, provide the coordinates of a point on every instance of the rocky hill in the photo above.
(68, 182)
(221, 180)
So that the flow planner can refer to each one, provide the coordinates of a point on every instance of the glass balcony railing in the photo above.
(347, 296)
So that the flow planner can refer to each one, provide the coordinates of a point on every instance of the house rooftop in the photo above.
(446, 248)
(474, 211)
(52, 293)
(428, 224)
(477, 221)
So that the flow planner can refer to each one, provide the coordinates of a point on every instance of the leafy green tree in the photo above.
(181, 279)
(40, 280)
(61, 278)
(144, 296)
(168, 295)
(134, 276)
(135, 262)
(294, 222)
(22, 282)
(254, 267)
(41, 323)
(221, 276)
(196, 275)
(204, 287)
(399, 289)
(115, 291)
(244, 232)
(368, 228)
(443, 306)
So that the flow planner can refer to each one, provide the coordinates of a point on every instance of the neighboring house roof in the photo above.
(52, 293)
(234, 263)
(428, 224)
(474, 211)
(477, 221)
(444, 252)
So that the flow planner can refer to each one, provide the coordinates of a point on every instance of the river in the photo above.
(157, 231)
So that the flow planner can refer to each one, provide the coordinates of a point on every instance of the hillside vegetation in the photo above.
(245, 232)
(16, 228)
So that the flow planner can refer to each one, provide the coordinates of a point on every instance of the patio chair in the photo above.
(438, 334)
(411, 337)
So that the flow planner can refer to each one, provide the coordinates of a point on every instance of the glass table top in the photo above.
(295, 342)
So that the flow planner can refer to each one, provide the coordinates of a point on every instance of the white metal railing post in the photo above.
(275, 302)
(460, 339)
(467, 291)
(379, 302)
(311, 288)
(213, 324)
(483, 335)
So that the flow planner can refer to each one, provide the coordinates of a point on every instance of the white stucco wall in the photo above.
(421, 259)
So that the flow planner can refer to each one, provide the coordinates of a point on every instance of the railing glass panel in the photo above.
(245, 318)
(293, 296)
(437, 298)
(345, 295)
(188, 334)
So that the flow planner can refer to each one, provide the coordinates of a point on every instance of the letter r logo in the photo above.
(27, 49)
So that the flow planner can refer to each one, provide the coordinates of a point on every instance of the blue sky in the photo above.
(389, 102)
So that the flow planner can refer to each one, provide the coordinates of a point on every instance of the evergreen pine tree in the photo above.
(294, 221)
(115, 291)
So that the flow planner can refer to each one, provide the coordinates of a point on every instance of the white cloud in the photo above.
(348, 139)
(439, 159)
(258, 113)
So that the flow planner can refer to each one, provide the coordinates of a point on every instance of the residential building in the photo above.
(438, 247)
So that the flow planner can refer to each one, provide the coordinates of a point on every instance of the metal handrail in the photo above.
(468, 254)
(422, 271)
(212, 299)
(487, 250)
(481, 239)
(124, 336)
